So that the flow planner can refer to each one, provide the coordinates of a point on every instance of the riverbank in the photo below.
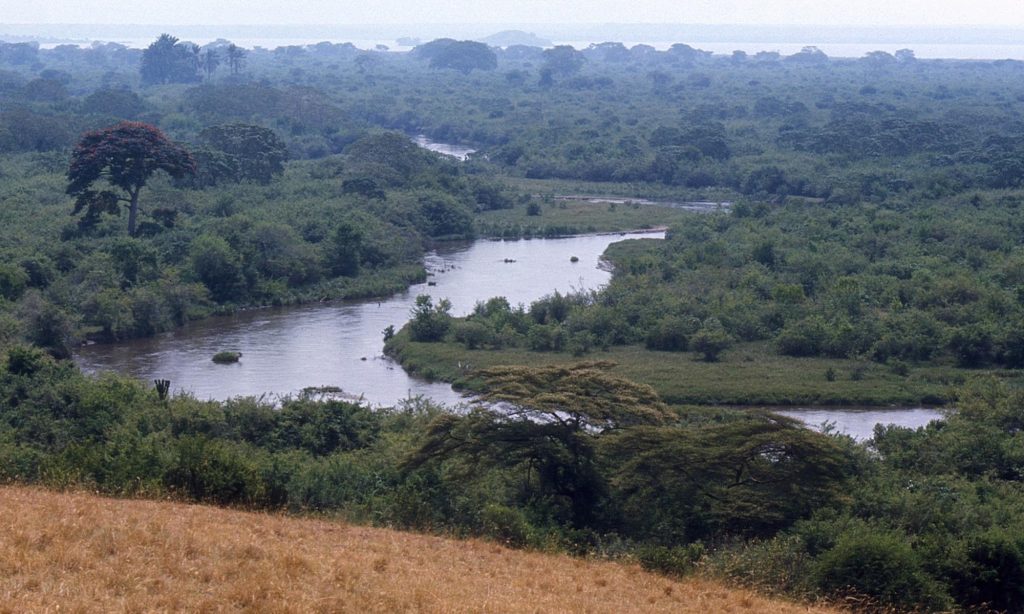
(564, 220)
(749, 374)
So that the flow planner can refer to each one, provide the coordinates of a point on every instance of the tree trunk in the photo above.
(133, 211)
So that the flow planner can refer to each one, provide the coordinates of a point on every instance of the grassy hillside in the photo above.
(77, 552)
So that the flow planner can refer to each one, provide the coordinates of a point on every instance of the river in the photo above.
(460, 152)
(859, 423)
(340, 344)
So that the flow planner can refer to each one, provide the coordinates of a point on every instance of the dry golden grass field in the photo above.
(63, 552)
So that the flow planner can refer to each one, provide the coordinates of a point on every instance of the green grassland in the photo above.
(747, 374)
(570, 217)
(632, 189)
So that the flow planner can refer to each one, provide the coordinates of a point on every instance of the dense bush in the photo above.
(878, 565)
(429, 322)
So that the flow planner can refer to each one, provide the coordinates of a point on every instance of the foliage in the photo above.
(126, 156)
(548, 428)
(167, 60)
(752, 477)
(254, 153)
(881, 566)
(464, 56)
(429, 322)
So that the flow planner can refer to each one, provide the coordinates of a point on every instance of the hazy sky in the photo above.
(338, 12)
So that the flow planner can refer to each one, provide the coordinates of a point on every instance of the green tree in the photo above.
(346, 250)
(209, 60)
(119, 103)
(258, 153)
(545, 429)
(236, 58)
(125, 156)
(218, 266)
(750, 476)
(464, 56)
(429, 322)
(710, 340)
(444, 216)
(563, 60)
(167, 60)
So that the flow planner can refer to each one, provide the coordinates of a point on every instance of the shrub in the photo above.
(429, 322)
(710, 340)
(676, 561)
(546, 338)
(779, 565)
(218, 266)
(13, 281)
(992, 576)
(23, 360)
(671, 334)
(226, 357)
(506, 524)
(880, 565)
(804, 338)
(473, 335)
(217, 471)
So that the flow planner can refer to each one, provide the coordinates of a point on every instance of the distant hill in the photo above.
(507, 38)
(80, 552)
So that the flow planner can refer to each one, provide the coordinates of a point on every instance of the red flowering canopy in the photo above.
(125, 155)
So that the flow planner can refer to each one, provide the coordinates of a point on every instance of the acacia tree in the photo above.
(545, 426)
(126, 156)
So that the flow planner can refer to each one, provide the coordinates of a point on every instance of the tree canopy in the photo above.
(584, 395)
(256, 153)
(168, 60)
(126, 156)
(464, 56)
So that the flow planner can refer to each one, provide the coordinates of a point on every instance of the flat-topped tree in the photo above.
(545, 429)
(126, 156)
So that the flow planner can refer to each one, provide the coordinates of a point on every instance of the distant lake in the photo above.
(941, 50)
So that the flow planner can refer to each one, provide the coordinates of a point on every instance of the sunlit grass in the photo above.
(81, 553)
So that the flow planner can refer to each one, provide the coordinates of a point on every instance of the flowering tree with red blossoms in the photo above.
(126, 156)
